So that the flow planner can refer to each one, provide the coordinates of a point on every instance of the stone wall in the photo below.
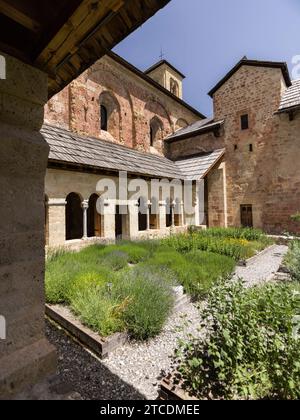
(216, 201)
(195, 145)
(267, 177)
(25, 354)
(134, 102)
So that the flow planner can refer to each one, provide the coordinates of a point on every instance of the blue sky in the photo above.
(206, 38)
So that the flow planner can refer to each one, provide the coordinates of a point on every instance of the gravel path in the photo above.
(264, 267)
(135, 370)
(144, 365)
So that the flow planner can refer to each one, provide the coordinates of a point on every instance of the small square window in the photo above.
(250, 147)
(245, 122)
(235, 147)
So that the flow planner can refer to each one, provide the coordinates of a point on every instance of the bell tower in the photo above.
(167, 76)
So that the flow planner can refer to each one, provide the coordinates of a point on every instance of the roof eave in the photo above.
(288, 110)
(148, 79)
(59, 164)
(161, 63)
(200, 131)
(253, 63)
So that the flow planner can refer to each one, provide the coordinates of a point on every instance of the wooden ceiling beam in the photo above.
(17, 16)
(68, 39)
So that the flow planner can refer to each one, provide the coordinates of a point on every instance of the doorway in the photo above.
(247, 215)
(94, 218)
(74, 217)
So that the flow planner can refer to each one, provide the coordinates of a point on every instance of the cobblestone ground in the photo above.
(135, 370)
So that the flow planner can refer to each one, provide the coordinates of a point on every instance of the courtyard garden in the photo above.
(236, 342)
(130, 286)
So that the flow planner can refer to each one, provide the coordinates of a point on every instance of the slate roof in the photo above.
(70, 148)
(197, 167)
(199, 127)
(291, 97)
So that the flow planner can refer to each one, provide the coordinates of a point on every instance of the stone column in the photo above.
(162, 214)
(57, 221)
(183, 221)
(25, 355)
(85, 206)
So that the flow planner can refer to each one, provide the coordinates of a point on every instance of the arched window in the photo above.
(74, 217)
(174, 87)
(104, 118)
(94, 218)
(110, 114)
(151, 136)
(156, 131)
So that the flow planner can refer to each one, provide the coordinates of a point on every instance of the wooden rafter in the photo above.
(67, 41)
(21, 18)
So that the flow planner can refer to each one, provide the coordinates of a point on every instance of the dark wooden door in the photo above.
(247, 215)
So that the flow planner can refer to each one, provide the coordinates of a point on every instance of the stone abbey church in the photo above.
(116, 118)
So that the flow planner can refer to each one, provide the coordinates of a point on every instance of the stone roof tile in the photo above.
(291, 97)
(72, 148)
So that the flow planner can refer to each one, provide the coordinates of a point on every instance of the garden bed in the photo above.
(129, 287)
(101, 346)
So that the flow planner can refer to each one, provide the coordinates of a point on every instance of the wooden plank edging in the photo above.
(102, 347)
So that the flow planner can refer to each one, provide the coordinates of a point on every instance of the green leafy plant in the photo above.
(296, 217)
(236, 243)
(292, 260)
(250, 350)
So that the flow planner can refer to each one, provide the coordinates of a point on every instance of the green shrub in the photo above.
(250, 350)
(230, 247)
(296, 217)
(248, 234)
(63, 269)
(292, 260)
(89, 280)
(196, 271)
(60, 273)
(96, 308)
(115, 260)
(150, 301)
(136, 253)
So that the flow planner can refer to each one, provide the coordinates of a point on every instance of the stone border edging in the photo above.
(252, 260)
(102, 347)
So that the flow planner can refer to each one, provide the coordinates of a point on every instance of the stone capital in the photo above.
(56, 202)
